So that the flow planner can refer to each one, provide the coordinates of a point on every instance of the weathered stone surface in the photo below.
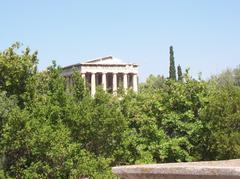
(106, 71)
(229, 169)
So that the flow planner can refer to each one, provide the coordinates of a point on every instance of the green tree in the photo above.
(172, 69)
(16, 69)
(152, 83)
(6, 106)
(47, 131)
(236, 73)
(36, 148)
(102, 124)
(179, 72)
(79, 89)
(221, 117)
(42, 143)
(228, 77)
(164, 124)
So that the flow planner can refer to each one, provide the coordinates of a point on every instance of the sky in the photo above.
(205, 34)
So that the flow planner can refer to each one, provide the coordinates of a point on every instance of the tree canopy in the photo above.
(48, 130)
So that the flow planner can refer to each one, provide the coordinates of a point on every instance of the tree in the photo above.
(16, 69)
(152, 83)
(41, 137)
(47, 131)
(6, 106)
(37, 148)
(164, 124)
(102, 124)
(179, 72)
(221, 118)
(79, 89)
(236, 73)
(172, 69)
(228, 77)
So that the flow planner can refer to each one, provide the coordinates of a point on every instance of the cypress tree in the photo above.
(179, 72)
(172, 69)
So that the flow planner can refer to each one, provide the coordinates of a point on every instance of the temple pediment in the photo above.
(105, 60)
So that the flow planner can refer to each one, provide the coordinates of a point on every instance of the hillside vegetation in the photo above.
(48, 131)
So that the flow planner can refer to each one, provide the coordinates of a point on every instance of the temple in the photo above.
(109, 72)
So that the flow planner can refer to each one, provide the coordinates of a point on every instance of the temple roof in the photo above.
(108, 60)
(105, 60)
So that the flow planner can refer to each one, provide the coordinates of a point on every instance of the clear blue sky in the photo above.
(205, 34)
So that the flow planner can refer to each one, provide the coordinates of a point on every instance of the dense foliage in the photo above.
(50, 131)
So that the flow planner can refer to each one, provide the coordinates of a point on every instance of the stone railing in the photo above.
(229, 169)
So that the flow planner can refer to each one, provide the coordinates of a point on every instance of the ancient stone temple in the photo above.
(109, 72)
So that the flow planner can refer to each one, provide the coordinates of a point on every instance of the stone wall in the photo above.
(229, 169)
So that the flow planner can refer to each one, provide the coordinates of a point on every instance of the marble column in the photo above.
(93, 84)
(135, 83)
(114, 83)
(104, 81)
(83, 76)
(125, 81)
